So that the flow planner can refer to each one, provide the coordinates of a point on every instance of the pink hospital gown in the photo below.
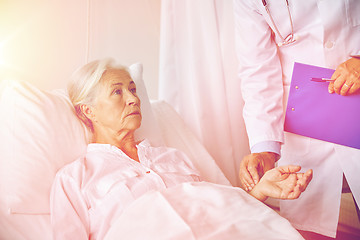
(90, 193)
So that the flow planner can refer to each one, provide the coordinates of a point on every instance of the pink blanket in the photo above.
(200, 211)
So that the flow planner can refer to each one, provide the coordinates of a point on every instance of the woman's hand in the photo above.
(283, 182)
(346, 78)
(253, 167)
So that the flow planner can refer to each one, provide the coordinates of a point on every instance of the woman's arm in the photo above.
(284, 182)
(69, 212)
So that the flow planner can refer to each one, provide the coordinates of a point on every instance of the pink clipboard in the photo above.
(313, 112)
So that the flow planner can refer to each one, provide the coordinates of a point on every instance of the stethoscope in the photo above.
(289, 39)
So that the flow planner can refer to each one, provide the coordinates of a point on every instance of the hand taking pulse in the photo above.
(347, 78)
(253, 167)
(284, 182)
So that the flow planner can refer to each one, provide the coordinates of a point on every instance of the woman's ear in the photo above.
(87, 111)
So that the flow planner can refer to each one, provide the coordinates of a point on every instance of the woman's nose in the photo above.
(132, 99)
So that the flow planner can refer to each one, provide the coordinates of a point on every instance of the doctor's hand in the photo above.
(253, 167)
(284, 182)
(347, 78)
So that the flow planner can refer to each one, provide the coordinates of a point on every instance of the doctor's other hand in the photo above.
(347, 78)
(253, 167)
(284, 182)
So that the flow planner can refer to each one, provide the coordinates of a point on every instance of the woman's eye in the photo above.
(117, 91)
(133, 90)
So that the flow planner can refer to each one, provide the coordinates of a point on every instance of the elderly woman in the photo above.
(90, 193)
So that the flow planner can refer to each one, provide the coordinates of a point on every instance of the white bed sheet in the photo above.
(202, 211)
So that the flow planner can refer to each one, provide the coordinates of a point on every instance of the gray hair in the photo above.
(84, 85)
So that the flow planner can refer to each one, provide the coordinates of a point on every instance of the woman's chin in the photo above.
(134, 125)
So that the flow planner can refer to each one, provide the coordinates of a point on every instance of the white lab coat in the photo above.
(328, 31)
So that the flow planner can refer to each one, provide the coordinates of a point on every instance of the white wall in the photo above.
(44, 41)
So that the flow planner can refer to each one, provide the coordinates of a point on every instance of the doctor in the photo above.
(271, 35)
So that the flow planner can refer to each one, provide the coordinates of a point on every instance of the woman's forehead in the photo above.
(113, 75)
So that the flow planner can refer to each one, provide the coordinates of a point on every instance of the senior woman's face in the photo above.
(117, 105)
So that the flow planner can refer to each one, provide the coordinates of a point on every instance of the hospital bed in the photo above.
(39, 133)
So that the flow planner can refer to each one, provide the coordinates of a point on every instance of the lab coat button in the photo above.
(329, 44)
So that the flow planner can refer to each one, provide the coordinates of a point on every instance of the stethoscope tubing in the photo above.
(289, 38)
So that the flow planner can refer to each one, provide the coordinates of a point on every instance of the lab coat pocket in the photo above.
(353, 12)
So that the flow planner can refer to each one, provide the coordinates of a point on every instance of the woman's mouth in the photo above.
(135, 113)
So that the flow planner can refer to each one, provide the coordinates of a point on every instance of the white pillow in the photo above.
(149, 127)
(40, 133)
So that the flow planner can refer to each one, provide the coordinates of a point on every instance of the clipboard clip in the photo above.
(314, 79)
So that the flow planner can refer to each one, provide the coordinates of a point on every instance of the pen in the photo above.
(321, 79)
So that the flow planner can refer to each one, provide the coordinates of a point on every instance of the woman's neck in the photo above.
(129, 148)
(124, 141)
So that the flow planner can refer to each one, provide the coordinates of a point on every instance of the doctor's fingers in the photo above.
(248, 171)
(335, 75)
(338, 84)
(331, 87)
(254, 173)
(339, 77)
(354, 82)
(350, 86)
(355, 87)
(343, 85)
(353, 77)
(345, 88)
(246, 179)
(347, 77)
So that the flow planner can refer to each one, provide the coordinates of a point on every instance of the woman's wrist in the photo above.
(256, 192)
